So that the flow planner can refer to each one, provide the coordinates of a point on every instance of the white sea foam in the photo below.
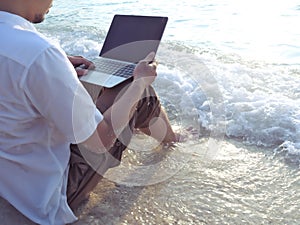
(259, 108)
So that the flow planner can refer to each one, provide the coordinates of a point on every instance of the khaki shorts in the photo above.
(83, 177)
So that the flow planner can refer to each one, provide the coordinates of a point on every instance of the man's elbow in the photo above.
(101, 140)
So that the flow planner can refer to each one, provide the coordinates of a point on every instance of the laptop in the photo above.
(130, 39)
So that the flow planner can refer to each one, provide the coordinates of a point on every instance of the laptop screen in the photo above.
(131, 38)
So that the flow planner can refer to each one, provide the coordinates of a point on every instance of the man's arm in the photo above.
(160, 129)
(117, 117)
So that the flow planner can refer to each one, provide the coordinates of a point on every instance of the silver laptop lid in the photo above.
(131, 38)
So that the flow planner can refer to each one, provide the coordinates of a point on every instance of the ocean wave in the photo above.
(261, 104)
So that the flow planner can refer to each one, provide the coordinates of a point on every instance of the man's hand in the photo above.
(145, 70)
(81, 64)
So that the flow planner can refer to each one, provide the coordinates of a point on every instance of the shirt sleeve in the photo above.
(54, 90)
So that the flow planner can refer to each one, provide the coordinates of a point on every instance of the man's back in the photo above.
(37, 100)
(18, 49)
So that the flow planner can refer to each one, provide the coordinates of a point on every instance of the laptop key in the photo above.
(116, 68)
(125, 71)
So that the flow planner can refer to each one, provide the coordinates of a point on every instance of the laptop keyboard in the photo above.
(116, 68)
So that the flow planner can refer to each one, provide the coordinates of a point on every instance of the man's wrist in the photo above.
(140, 82)
(143, 82)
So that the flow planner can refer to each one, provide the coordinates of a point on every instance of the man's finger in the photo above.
(149, 58)
(81, 72)
(153, 64)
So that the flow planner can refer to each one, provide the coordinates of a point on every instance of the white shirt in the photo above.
(43, 108)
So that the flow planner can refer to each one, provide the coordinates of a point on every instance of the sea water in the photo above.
(229, 69)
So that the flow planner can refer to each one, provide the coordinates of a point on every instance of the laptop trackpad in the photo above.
(102, 79)
(114, 80)
(95, 77)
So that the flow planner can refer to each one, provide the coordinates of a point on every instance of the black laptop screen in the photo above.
(130, 38)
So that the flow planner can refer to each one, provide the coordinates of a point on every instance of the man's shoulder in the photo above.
(23, 46)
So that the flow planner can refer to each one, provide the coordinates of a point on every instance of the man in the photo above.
(44, 108)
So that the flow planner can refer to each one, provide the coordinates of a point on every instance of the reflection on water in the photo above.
(241, 185)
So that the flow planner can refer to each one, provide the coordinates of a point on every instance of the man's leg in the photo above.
(82, 176)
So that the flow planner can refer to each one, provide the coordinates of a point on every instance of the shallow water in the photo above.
(242, 185)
